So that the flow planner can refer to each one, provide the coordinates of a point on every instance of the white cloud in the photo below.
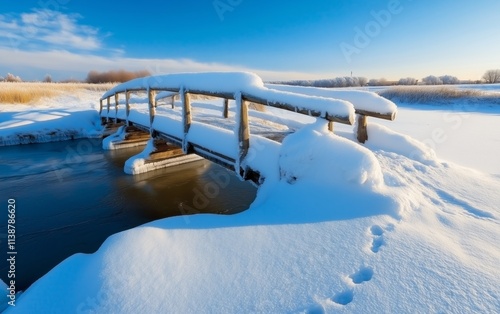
(47, 29)
(51, 41)
(71, 63)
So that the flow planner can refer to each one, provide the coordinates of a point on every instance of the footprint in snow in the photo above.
(362, 275)
(343, 298)
(377, 238)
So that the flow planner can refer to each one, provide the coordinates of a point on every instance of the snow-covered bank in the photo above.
(345, 230)
(460, 132)
(52, 119)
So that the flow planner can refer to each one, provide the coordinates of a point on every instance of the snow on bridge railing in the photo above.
(242, 87)
(365, 103)
(251, 88)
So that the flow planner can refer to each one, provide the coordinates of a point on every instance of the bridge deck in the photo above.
(208, 112)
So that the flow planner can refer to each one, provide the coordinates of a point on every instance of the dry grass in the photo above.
(25, 93)
(428, 94)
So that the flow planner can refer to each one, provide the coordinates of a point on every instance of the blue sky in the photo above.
(279, 40)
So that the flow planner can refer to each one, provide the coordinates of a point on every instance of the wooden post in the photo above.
(152, 108)
(226, 108)
(116, 107)
(127, 105)
(173, 101)
(186, 111)
(186, 117)
(100, 107)
(362, 131)
(108, 104)
(330, 126)
(243, 129)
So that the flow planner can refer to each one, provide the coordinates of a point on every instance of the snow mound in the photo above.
(316, 165)
(385, 139)
(317, 155)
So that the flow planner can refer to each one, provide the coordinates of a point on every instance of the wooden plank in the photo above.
(225, 112)
(362, 130)
(387, 116)
(138, 135)
(169, 153)
(210, 93)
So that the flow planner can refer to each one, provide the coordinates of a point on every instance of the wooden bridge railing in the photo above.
(363, 102)
(332, 110)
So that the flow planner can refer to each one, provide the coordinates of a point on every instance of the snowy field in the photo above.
(407, 223)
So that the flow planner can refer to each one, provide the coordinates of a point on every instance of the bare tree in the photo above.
(47, 79)
(362, 80)
(432, 80)
(407, 81)
(492, 76)
(12, 78)
(448, 79)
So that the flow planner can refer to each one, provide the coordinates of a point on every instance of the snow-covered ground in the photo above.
(386, 227)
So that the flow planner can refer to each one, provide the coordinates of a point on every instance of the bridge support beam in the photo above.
(158, 154)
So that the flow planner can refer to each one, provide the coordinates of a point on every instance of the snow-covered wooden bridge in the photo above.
(176, 133)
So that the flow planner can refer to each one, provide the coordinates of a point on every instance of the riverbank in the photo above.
(63, 117)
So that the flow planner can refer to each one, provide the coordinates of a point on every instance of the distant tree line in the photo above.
(491, 76)
(346, 81)
(114, 76)
(118, 76)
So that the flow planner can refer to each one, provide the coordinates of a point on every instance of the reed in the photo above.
(429, 94)
(27, 92)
